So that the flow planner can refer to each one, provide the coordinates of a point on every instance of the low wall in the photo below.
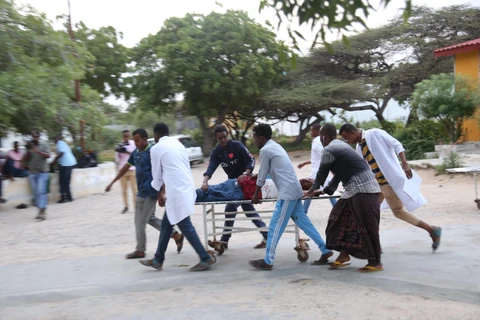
(84, 182)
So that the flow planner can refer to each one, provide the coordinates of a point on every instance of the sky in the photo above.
(139, 18)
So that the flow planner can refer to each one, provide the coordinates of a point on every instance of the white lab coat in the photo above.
(316, 158)
(385, 149)
(170, 166)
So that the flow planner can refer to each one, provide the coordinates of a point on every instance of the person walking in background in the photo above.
(122, 154)
(353, 224)
(274, 161)
(36, 157)
(315, 160)
(66, 162)
(381, 151)
(173, 179)
(235, 160)
(146, 199)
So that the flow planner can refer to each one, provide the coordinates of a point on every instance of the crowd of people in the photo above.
(372, 177)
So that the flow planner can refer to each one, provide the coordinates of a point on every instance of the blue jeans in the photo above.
(39, 182)
(306, 203)
(188, 231)
(65, 175)
(10, 170)
(230, 207)
(285, 210)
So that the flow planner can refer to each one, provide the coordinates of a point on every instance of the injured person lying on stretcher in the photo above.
(242, 188)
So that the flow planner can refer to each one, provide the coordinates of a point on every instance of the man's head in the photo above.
(58, 138)
(35, 136)
(126, 136)
(160, 130)
(306, 184)
(315, 130)
(350, 133)
(220, 133)
(15, 146)
(140, 137)
(261, 134)
(328, 133)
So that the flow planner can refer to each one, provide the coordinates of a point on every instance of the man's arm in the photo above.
(120, 174)
(249, 160)
(44, 153)
(157, 172)
(327, 160)
(399, 150)
(255, 199)
(212, 166)
(161, 197)
(303, 164)
(264, 168)
(332, 186)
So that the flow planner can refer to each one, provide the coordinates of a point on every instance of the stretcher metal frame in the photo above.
(210, 215)
(475, 171)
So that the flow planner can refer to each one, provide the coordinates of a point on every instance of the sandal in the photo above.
(339, 264)
(261, 245)
(179, 242)
(368, 269)
(135, 255)
(204, 265)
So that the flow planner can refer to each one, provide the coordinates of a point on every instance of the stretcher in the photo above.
(213, 223)
(475, 171)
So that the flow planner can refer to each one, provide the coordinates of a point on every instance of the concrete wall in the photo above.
(84, 182)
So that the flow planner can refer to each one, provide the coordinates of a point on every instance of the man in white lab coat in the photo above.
(172, 178)
(380, 150)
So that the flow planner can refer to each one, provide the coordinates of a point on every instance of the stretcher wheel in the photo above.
(220, 249)
(302, 257)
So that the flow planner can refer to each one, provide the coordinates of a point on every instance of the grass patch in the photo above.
(453, 160)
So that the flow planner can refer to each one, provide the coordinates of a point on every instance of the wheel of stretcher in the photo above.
(220, 249)
(302, 258)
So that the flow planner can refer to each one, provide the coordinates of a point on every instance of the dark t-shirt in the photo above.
(234, 159)
(143, 170)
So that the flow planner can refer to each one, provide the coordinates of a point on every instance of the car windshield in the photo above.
(188, 142)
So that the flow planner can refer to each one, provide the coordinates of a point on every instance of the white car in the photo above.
(195, 152)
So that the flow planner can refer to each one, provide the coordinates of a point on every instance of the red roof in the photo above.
(458, 48)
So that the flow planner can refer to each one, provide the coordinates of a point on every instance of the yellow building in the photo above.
(467, 62)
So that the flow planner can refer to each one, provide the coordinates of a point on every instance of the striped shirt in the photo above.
(367, 155)
(274, 160)
(347, 167)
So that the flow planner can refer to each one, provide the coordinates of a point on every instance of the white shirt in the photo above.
(316, 155)
(170, 166)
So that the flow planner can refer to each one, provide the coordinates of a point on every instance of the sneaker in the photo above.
(125, 210)
(323, 259)
(260, 265)
(202, 266)
(2, 200)
(152, 263)
(261, 245)
(41, 215)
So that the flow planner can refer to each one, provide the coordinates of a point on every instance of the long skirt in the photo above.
(353, 226)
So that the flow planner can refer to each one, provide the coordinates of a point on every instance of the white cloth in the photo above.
(315, 159)
(385, 149)
(170, 166)
(269, 190)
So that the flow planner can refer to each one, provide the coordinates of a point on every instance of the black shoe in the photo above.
(125, 210)
(260, 265)
(2, 200)
(62, 200)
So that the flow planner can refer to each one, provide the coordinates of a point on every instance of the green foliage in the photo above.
(337, 15)
(37, 68)
(448, 99)
(453, 160)
(109, 138)
(421, 137)
(196, 135)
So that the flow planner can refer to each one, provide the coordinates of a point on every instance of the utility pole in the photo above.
(78, 97)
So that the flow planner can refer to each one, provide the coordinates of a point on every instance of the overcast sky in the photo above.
(138, 18)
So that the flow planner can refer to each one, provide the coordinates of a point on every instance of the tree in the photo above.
(37, 67)
(105, 72)
(221, 63)
(339, 15)
(448, 99)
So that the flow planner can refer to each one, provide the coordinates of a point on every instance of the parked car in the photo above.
(195, 152)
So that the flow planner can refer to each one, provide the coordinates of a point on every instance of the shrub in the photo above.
(453, 160)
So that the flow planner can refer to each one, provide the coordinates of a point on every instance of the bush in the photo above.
(453, 160)
(196, 135)
(421, 137)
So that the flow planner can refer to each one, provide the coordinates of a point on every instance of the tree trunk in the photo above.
(302, 132)
(208, 141)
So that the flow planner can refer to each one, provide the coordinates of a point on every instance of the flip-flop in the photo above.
(368, 269)
(437, 231)
(339, 264)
